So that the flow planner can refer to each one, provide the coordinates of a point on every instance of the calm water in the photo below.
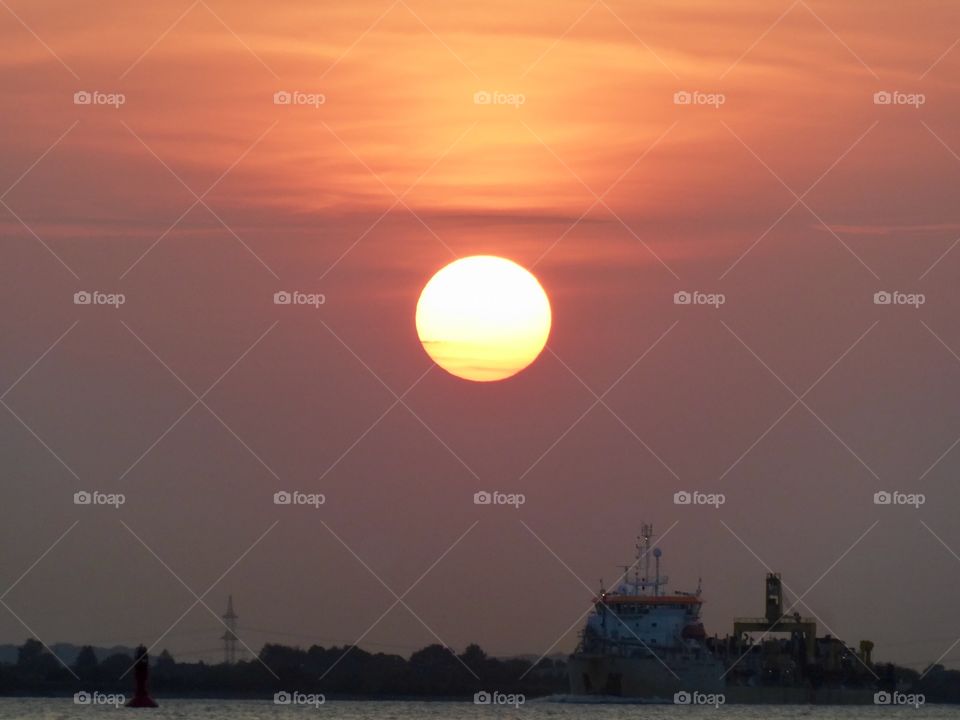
(45, 709)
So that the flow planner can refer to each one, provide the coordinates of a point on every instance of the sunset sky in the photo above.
(784, 186)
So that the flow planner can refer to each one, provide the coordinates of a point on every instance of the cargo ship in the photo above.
(641, 641)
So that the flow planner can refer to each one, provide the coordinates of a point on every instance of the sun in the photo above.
(483, 318)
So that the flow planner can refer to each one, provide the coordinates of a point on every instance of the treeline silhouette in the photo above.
(434, 671)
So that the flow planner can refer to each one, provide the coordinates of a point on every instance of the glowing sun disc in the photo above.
(483, 318)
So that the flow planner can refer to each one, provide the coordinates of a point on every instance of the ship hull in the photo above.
(647, 679)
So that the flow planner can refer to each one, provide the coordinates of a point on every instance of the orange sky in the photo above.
(303, 197)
